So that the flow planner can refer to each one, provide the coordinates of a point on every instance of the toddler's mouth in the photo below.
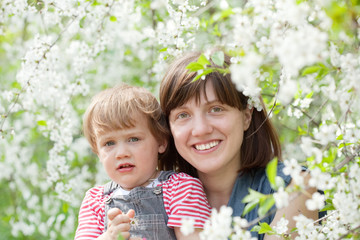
(122, 166)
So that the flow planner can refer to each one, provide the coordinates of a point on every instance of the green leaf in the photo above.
(252, 196)
(95, 3)
(256, 228)
(65, 207)
(120, 237)
(42, 123)
(265, 228)
(301, 131)
(250, 206)
(113, 18)
(266, 205)
(280, 183)
(271, 171)
(16, 85)
(216, 31)
(310, 94)
(205, 72)
(328, 207)
(340, 137)
(194, 66)
(203, 60)
(81, 22)
(311, 69)
(322, 73)
(226, 13)
(218, 58)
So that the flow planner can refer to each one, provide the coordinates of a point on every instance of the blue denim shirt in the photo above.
(258, 181)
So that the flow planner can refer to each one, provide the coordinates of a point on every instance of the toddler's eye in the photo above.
(216, 109)
(134, 139)
(182, 116)
(109, 143)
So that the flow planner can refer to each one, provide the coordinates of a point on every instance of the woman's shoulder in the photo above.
(260, 182)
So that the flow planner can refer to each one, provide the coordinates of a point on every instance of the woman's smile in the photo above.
(206, 146)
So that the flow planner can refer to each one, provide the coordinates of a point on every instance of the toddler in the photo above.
(127, 130)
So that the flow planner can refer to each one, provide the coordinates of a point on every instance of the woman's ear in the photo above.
(247, 117)
(162, 146)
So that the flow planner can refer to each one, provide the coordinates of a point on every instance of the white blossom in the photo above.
(321, 180)
(316, 202)
(281, 198)
(281, 226)
(243, 76)
(187, 226)
(288, 87)
(219, 226)
(326, 133)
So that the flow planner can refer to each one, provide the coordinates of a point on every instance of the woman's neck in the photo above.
(218, 187)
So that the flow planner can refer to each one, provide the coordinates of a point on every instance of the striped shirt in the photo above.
(183, 195)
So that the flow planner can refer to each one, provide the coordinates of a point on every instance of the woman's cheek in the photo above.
(174, 130)
(178, 131)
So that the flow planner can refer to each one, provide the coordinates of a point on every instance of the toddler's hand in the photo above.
(119, 223)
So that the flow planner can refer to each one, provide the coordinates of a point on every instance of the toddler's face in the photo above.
(130, 156)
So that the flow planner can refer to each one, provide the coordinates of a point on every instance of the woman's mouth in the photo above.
(206, 146)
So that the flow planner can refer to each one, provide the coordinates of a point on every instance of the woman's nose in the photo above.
(201, 126)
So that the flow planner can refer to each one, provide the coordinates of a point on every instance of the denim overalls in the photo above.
(150, 215)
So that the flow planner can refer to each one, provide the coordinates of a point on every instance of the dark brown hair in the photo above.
(261, 143)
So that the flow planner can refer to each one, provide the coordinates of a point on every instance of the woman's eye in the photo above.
(109, 143)
(133, 139)
(182, 116)
(216, 109)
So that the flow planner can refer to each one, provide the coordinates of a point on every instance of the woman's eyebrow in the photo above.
(182, 107)
(213, 101)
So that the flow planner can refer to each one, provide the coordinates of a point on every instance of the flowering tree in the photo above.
(301, 56)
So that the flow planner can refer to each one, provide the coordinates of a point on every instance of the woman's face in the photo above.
(209, 134)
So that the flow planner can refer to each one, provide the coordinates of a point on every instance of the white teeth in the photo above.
(206, 146)
(125, 166)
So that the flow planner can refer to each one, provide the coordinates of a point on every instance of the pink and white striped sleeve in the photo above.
(91, 215)
(184, 197)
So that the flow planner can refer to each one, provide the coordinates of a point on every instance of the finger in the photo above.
(119, 219)
(126, 235)
(113, 212)
(131, 213)
(121, 229)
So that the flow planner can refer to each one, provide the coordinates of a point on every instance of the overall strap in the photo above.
(164, 175)
(110, 187)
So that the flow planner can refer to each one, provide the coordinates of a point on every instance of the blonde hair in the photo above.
(118, 108)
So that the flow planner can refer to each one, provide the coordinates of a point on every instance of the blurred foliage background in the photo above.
(56, 54)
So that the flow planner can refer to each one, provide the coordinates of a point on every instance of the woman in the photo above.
(222, 141)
